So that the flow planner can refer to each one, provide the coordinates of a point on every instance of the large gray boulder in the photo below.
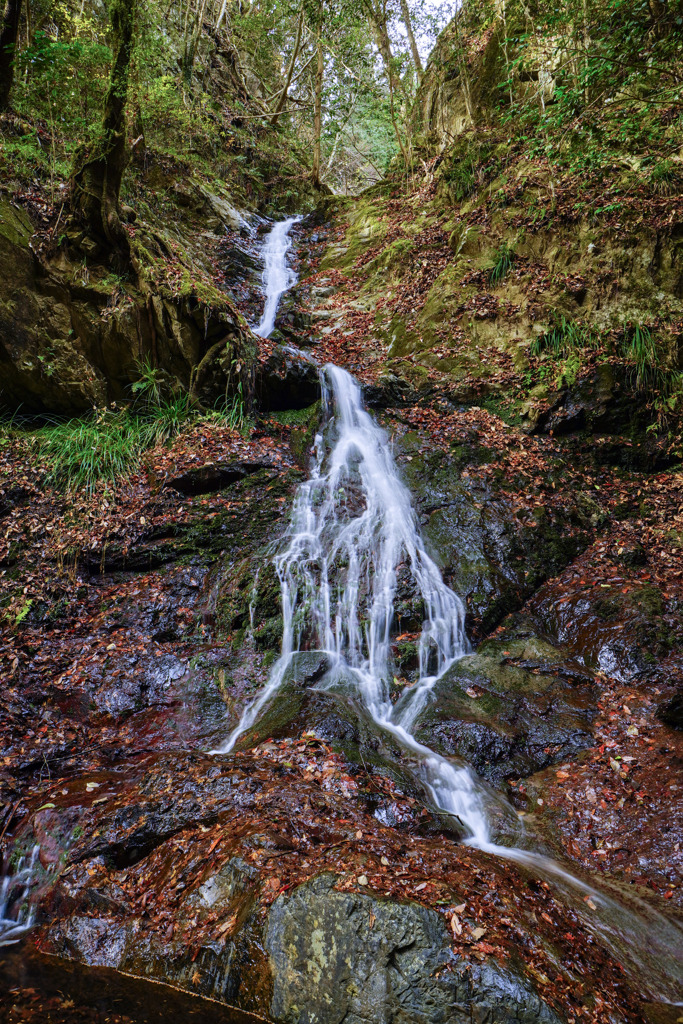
(342, 956)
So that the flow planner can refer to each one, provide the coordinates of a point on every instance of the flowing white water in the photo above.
(277, 276)
(352, 544)
(17, 916)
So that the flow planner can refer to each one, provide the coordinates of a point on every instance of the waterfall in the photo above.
(351, 533)
(277, 277)
(16, 915)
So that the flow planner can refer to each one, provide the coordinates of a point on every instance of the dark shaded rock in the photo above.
(487, 556)
(633, 555)
(214, 477)
(287, 380)
(11, 498)
(100, 993)
(671, 711)
(390, 390)
(602, 402)
(71, 337)
(339, 956)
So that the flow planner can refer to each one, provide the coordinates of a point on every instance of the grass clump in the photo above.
(503, 263)
(653, 370)
(564, 338)
(666, 178)
(83, 453)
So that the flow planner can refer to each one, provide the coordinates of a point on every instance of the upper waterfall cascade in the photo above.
(352, 541)
(277, 277)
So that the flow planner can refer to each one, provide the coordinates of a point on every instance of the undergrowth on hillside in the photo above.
(103, 448)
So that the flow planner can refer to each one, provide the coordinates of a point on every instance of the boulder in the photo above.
(516, 706)
(287, 379)
(341, 956)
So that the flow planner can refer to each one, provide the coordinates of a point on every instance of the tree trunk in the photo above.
(221, 15)
(317, 108)
(407, 21)
(9, 34)
(378, 27)
(98, 168)
(192, 34)
(282, 99)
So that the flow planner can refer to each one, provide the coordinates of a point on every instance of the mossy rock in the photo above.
(514, 707)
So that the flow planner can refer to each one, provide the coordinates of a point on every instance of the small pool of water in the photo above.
(40, 989)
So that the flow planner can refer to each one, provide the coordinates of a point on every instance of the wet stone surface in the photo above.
(303, 873)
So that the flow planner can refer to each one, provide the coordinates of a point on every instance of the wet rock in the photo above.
(287, 380)
(307, 668)
(514, 707)
(151, 682)
(40, 985)
(621, 634)
(390, 390)
(339, 956)
(671, 711)
(590, 404)
(487, 556)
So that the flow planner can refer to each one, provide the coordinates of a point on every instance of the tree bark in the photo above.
(98, 168)
(378, 26)
(282, 99)
(221, 15)
(9, 34)
(407, 21)
(317, 107)
(192, 34)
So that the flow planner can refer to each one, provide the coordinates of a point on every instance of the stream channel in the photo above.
(351, 526)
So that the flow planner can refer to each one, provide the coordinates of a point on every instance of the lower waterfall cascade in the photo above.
(352, 528)
(17, 915)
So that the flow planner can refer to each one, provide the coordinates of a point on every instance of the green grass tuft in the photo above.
(565, 337)
(504, 262)
(81, 454)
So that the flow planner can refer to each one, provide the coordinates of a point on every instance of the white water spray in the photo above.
(17, 915)
(277, 276)
(352, 542)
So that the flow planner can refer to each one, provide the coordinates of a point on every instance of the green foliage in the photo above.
(588, 80)
(467, 172)
(23, 611)
(666, 178)
(503, 262)
(653, 371)
(564, 338)
(639, 348)
(82, 453)
(565, 344)
(462, 178)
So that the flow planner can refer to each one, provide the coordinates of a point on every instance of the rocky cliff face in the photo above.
(74, 335)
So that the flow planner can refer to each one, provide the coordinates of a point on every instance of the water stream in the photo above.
(352, 542)
(277, 276)
(17, 914)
